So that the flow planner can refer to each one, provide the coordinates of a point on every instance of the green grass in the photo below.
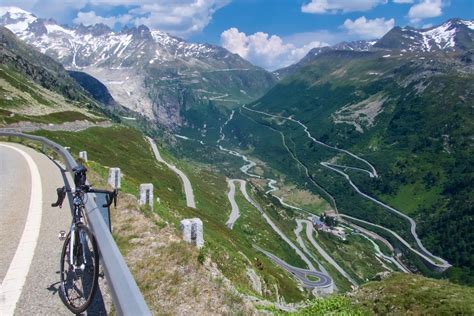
(407, 294)
(53, 118)
(230, 249)
(355, 255)
(19, 82)
(333, 305)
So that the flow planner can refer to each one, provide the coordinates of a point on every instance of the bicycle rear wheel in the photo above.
(79, 279)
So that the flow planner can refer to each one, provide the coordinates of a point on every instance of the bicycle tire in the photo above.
(78, 286)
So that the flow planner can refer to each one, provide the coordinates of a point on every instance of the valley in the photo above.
(345, 171)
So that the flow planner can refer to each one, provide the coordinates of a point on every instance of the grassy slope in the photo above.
(415, 295)
(25, 100)
(398, 294)
(126, 148)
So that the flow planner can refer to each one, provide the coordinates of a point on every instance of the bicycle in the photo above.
(79, 266)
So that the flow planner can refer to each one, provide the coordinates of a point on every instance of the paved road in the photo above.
(323, 253)
(188, 189)
(300, 241)
(443, 264)
(325, 282)
(319, 280)
(29, 269)
(29, 227)
(403, 241)
(373, 171)
(235, 213)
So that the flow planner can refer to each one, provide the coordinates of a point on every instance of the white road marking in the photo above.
(15, 278)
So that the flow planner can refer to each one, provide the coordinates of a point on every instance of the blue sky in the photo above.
(270, 33)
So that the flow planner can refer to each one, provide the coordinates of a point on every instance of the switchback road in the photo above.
(188, 189)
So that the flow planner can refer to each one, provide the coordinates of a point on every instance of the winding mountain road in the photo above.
(188, 189)
(235, 213)
(444, 264)
(322, 280)
(403, 241)
(372, 173)
(323, 253)
(300, 274)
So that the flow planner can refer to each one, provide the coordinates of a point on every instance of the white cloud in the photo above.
(425, 9)
(182, 17)
(336, 6)
(178, 17)
(90, 18)
(262, 49)
(368, 29)
(403, 1)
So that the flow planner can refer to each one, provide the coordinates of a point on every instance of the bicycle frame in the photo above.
(78, 204)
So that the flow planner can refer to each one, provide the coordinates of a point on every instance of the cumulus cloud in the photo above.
(425, 9)
(178, 17)
(90, 18)
(368, 29)
(262, 49)
(336, 6)
(182, 17)
(403, 1)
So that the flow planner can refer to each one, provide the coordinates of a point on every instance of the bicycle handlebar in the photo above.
(111, 196)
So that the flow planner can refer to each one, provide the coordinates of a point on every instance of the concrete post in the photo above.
(197, 232)
(192, 230)
(83, 155)
(114, 177)
(146, 194)
(185, 228)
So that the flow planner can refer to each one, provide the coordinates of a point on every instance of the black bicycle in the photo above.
(79, 267)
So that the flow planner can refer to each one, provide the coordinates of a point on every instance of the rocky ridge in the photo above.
(149, 71)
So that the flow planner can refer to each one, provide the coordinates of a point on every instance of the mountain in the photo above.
(356, 46)
(453, 35)
(409, 113)
(37, 88)
(161, 76)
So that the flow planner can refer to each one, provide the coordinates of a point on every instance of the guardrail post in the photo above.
(192, 230)
(114, 177)
(83, 155)
(146, 194)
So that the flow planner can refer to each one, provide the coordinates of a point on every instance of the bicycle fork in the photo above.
(74, 248)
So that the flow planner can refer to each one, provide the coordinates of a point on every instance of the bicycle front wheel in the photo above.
(79, 278)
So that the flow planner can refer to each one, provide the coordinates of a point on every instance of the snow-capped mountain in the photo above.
(98, 45)
(146, 70)
(453, 35)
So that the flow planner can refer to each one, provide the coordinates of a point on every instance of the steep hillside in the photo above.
(160, 76)
(398, 294)
(408, 113)
(35, 88)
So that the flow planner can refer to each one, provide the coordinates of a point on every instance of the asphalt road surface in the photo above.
(308, 278)
(29, 227)
(188, 189)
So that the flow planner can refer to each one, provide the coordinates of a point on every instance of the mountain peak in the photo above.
(452, 35)
(12, 10)
(96, 29)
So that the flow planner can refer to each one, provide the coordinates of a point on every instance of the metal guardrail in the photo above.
(126, 296)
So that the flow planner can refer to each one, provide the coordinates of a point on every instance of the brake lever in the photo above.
(115, 198)
(61, 195)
